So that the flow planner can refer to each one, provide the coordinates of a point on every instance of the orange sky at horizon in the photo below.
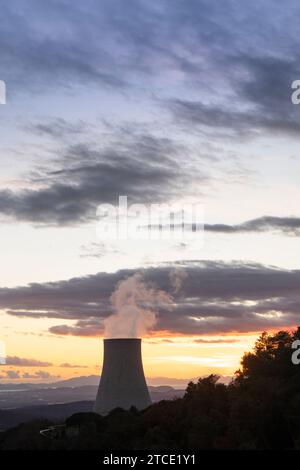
(164, 355)
(178, 357)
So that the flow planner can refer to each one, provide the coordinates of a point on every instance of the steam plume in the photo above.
(135, 305)
(177, 277)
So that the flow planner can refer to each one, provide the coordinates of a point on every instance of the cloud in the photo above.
(25, 362)
(67, 365)
(111, 45)
(221, 51)
(216, 341)
(215, 297)
(11, 374)
(284, 225)
(66, 45)
(41, 375)
(27, 375)
(89, 327)
(98, 250)
(261, 86)
(143, 167)
(35, 59)
(56, 128)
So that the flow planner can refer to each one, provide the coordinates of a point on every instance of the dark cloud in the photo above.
(260, 100)
(88, 327)
(67, 365)
(24, 362)
(215, 297)
(66, 44)
(11, 374)
(28, 375)
(205, 43)
(41, 375)
(110, 44)
(285, 225)
(142, 167)
(216, 341)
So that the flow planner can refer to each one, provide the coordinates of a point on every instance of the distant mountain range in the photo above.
(73, 382)
(56, 413)
(94, 380)
(27, 405)
(55, 401)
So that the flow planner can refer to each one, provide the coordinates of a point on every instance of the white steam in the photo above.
(177, 277)
(135, 305)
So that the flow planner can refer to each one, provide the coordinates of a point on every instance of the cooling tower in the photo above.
(122, 382)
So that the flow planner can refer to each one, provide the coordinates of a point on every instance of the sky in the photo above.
(169, 102)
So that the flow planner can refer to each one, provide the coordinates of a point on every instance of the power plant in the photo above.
(122, 382)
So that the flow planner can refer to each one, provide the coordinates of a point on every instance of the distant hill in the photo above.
(94, 380)
(77, 381)
(73, 382)
(57, 402)
(58, 412)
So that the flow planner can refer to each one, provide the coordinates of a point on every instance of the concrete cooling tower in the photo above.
(122, 382)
